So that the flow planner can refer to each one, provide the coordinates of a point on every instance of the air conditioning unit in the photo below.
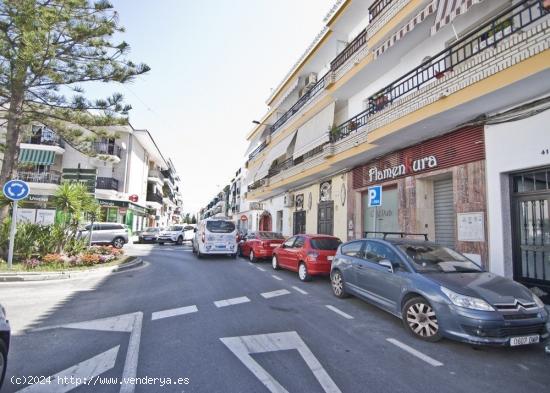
(311, 79)
(288, 200)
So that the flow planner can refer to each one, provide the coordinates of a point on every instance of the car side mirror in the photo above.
(283, 245)
(386, 263)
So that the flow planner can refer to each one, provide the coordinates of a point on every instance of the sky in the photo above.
(213, 65)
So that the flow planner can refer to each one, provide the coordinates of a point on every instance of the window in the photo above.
(300, 240)
(434, 258)
(352, 249)
(326, 243)
(279, 221)
(220, 226)
(375, 252)
(289, 242)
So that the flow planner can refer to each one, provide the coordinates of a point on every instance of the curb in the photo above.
(64, 275)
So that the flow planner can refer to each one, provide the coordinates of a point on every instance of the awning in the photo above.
(36, 157)
(315, 132)
(427, 11)
(276, 151)
(257, 141)
(447, 10)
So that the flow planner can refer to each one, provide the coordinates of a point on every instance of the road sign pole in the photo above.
(12, 234)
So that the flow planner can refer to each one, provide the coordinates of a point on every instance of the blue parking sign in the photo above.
(375, 196)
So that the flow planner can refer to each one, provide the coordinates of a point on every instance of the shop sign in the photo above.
(38, 198)
(111, 203)
(419, 165)
(122, 210)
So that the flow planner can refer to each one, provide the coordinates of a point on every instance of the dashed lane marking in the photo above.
(276, 278)
(260, 268)
(300, 290)
(231, 302)
(431, 361)
(269, 295)
(338, 311)
(174, 312)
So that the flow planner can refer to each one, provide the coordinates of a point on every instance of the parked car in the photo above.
(5, 334)
(106, 233)
(215, 236)
(309, 255)
(259, 245)
(172, 234)
(149, 235)
(189, 232)
(438, 292)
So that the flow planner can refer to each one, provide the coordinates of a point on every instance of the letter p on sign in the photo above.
(375, 196)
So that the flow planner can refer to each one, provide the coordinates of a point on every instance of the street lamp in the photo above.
(259, 123)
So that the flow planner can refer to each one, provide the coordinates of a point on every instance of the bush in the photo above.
(89, 259)
(106, 258)
(53, 259)
(31, 263)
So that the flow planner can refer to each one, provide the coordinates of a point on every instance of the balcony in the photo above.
(154, 197)
(50, 177)
(357, 43)
(44, 137)
(106, 148)
(155, 175)
(377, 7)
(257, 150)
(257, 184)
(106, 183)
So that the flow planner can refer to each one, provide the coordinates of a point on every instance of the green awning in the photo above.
(37, 157)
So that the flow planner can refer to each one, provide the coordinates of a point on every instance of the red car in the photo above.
(260, 245)
(309, 255)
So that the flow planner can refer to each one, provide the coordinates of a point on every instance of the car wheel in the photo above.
(275, 263)
(337, 283)
(118, 242)
(3, 361)
(161, 243)
(234, 255)
(252, 257)
(240, 251)
(420, 320)
(179, 242)
(303, 275)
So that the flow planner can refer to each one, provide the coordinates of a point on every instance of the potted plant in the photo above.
(380, 101)
(352, 125)
(334, 132)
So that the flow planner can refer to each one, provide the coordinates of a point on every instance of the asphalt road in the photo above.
(225, 325)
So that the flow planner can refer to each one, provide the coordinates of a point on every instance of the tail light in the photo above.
(312, 256)
(203, 238)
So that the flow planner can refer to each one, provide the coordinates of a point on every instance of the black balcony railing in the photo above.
(377, 8)
(257, 150)
(357, 43)
(154, 197)
(45, 137)
(51, 177)
(316, 88)
(489, 34)
(257, 184)
(288, 163)
(106, 148)
(106, 183)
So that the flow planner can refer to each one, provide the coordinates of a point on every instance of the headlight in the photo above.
(537, 300)
(472, 303)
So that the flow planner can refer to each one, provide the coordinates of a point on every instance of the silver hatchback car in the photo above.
(107, 233)
(438, 292)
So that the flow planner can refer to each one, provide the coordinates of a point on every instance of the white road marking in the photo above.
(132, 354)
(86, 369)
(231, 302)
(276, 278)
(174, 312)
(260, 268)
(523, 366)
(414, 352)
(300, 290)
(244, 346)
(338, 311)
(279, 292)
(250, 263)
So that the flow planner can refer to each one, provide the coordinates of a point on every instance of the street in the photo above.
(180, 324)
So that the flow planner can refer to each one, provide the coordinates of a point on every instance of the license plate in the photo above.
(524, 340)
(147, 238)
(220, 245)
(330, 258)
(274, 245)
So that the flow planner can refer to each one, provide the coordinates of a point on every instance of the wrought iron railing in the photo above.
(257, 184)
(106, 148)
(316, 88)
(357, 43)
(45, 137)
(377, 8)
(257, 150)
(51, 177)
(154, 197)
(288, 163)
(106, 183)
(350, 125)
(487, 35)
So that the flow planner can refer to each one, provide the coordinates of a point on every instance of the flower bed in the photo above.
(96, 255)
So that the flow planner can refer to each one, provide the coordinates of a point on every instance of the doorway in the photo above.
(325, 218)
(299, 222)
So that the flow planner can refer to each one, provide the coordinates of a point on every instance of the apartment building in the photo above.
(117, 173)
(439, 102)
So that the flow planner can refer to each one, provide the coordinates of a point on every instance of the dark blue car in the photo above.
(438, 292)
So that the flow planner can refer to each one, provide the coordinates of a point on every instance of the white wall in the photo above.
(138, 171)
(510, 147)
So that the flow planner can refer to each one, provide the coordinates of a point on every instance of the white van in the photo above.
(215, 236)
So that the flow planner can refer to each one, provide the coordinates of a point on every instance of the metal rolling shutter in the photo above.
(444, 212)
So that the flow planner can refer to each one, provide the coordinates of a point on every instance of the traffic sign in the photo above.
(375, 196)
(16, 190)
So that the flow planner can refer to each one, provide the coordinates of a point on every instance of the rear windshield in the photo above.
(175, 228)
(220, 226)
(151, 229)
(271, 235)
(326, 243)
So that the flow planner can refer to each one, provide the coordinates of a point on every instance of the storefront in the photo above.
(518, 196)
(124, 212)
(436, 187)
